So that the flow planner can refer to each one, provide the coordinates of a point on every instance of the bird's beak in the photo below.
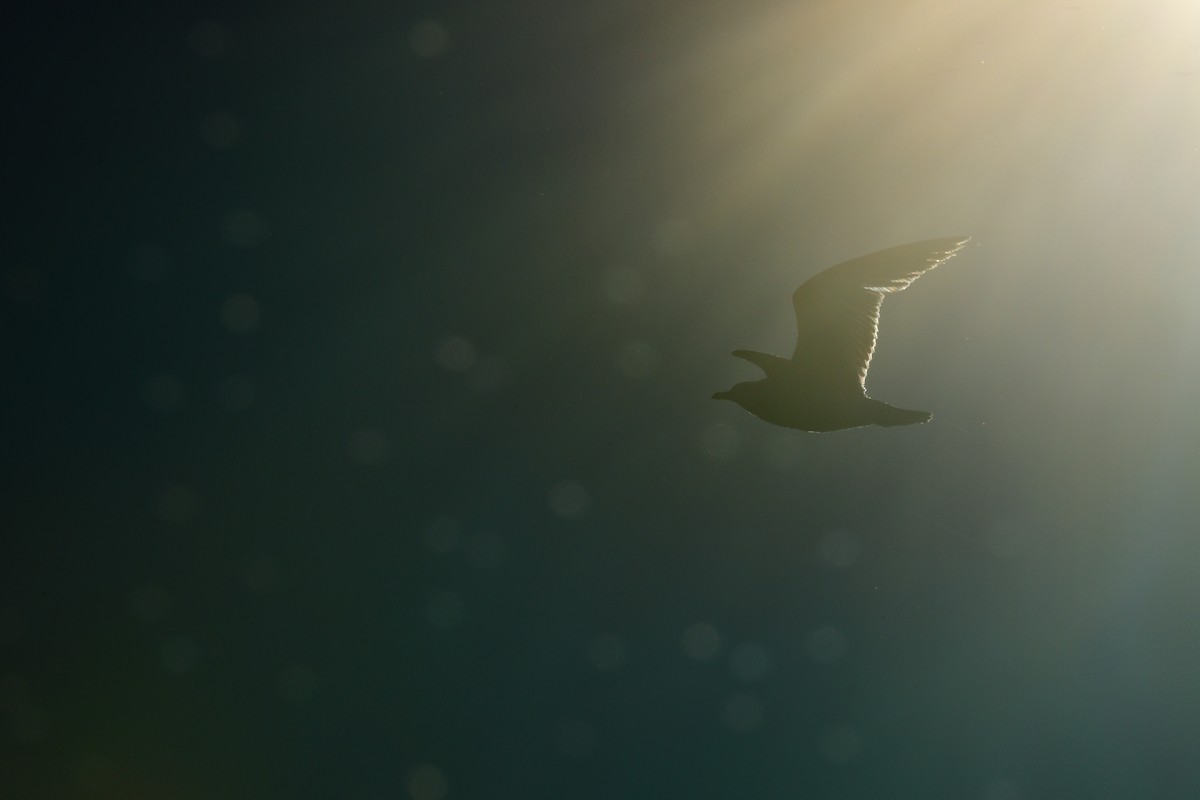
(720, 396)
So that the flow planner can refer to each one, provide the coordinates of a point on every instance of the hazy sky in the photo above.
(358, 365)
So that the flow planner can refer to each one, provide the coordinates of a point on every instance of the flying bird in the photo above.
(822, 387)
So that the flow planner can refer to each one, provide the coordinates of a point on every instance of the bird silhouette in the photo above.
(822, 387)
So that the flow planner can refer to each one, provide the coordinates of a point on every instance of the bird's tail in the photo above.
(890, 415)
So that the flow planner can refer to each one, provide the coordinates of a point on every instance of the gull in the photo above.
(822, 387)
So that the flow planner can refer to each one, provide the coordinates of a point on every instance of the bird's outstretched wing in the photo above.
(837, 311)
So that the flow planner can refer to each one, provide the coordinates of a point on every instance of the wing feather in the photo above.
(837, 310)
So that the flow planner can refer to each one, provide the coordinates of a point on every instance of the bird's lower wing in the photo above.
(771, 365)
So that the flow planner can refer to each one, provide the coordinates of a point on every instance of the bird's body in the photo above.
(822, 387)
(794, 404)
